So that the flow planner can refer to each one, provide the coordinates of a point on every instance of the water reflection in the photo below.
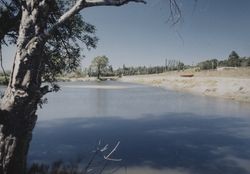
(131, 101)
(181, 143)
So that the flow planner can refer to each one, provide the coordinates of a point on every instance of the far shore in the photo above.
(233, 84)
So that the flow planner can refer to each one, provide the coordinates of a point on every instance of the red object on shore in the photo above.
(187, 75)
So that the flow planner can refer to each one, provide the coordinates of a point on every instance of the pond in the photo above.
(160, 131)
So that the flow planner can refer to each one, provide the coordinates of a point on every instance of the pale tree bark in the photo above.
(19, 104)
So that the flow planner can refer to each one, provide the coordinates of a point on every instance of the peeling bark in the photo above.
(15, 135)
(19, 104)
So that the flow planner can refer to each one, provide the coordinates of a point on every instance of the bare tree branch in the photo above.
(175, 12)
(114, 149)
(100, 150)
(81, 4)
(91, 3)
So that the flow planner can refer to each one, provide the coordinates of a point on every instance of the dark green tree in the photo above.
(99, 63)
(208, 64)
(233, 59)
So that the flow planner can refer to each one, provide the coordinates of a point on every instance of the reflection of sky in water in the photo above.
(131, 101)
(168, 142)
(160, 131)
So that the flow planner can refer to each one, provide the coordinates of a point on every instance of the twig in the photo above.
(100, 150)
(114, 149)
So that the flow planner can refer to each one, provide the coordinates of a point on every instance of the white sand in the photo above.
(235, 88)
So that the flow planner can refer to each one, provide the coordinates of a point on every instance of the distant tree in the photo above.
(223, 63)
(234, 59)
(181, 66)
(100, 63)
(244, 61)
(208, 64)
(140, 70)
(111, 69)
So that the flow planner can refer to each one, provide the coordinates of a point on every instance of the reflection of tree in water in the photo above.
(101, 101)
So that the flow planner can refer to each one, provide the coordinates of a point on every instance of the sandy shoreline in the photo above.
(229, 85)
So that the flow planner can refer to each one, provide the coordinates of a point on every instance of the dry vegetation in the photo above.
(230, 84)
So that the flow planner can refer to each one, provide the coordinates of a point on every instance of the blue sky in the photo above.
(138, 34)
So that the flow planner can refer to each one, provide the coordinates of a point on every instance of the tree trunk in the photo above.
(19, 104)
(17, 116)
(98, 72)
(15, 136)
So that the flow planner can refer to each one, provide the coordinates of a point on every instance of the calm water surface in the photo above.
(160, 131)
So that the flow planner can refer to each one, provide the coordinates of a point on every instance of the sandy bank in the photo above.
(233, 84)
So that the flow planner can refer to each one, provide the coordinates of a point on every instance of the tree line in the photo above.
(100, 67)
(233, 60)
